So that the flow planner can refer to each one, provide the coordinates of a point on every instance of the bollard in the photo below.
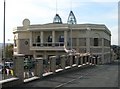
(39, 67)
(53, 63)
(63, 61)
(19, 67)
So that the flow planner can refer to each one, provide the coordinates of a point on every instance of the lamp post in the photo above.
(3, 48)
(4, 33)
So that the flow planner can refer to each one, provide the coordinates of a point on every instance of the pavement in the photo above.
(97, 76)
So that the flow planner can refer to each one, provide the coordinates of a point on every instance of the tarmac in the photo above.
(99, 76)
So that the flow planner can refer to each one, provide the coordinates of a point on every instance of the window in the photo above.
(61, 38)
(95, 41)
(50, 39)
(38, 38)
(15, 43)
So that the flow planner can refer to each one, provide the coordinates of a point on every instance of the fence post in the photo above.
(19, 67)
(39, 67)
(53, 63)
(63, 61)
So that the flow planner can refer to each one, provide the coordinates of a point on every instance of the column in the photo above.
(63, 61)
(53, 38)
(31, 38)
(65, 38)
(18, 45)
(41, 37)
(77, 45)
(88, 39)
(53, 63)
(102, 59)
(39, 67)
(19, 67)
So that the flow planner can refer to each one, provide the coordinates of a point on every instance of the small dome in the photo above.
(71, 18)
(57, 19)
(26, 22)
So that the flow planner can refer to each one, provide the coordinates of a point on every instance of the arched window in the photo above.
(95, 41)
(49, 38)
(15, 43)
(61, 38)
(38, 38)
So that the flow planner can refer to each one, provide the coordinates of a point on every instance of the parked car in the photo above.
(9, 64)
(1, 67)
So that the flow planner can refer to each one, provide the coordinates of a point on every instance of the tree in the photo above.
(9, 51)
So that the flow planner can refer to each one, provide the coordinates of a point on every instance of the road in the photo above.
(98, 76)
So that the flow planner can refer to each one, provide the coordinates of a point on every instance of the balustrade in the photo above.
(47, 44)
(43, 67)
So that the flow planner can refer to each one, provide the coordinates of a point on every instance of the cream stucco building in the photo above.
(44, 40)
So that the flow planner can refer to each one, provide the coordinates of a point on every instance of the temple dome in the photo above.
(71, 18)
(57, 19)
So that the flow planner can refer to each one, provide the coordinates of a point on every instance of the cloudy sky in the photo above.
(43, 11)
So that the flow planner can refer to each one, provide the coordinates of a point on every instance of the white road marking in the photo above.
(68, 82)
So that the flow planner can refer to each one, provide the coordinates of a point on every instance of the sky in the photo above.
(43, 11)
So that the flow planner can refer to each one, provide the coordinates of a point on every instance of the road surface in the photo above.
(98, 76)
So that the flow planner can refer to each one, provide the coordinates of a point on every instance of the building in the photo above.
(44, 40)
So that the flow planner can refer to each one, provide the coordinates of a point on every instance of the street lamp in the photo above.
(4, 32)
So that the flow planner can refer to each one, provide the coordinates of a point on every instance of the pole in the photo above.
(71, 37)
(71, 34)
(4, 40)
(4, 33)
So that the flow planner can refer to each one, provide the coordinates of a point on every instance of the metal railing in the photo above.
(48, 44)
